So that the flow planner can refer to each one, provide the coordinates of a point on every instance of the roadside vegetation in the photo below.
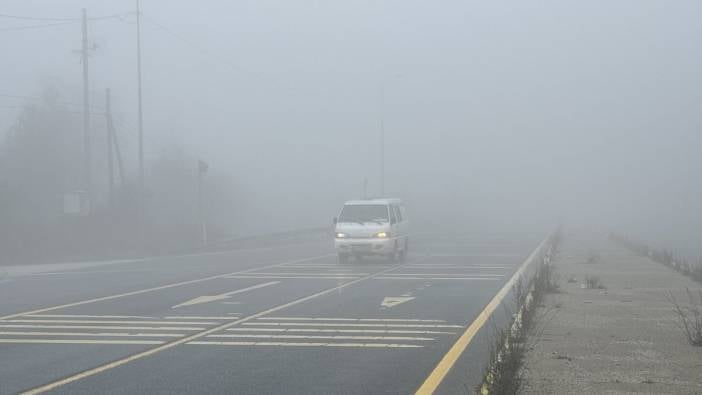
(665, 257)
(510, 343)
(41, 161)
(689, 316)
(593, 282)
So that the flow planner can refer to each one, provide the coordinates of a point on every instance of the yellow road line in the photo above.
(287, 344)
(195, 336)
(77, 341)
(344, 337)
(353, 325)
(143, 291)
(88, 334)
(435, 378)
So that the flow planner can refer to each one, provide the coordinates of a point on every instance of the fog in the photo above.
(498, 116)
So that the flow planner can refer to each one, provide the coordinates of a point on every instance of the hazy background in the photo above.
(498, 115)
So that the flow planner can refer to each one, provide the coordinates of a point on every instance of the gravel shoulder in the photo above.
(619, 339)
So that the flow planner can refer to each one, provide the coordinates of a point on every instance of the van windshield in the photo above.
(364, 213)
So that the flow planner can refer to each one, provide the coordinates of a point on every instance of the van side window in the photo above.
(393, 219)
(398, 213)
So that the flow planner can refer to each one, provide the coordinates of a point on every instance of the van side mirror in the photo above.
(335, 220)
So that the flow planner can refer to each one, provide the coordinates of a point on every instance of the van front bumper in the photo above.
(364, 246)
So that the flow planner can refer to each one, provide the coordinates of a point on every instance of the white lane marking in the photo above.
(146, 290)
(448, 361)
(461, 267)
(301, 277)
(326, 268)
(339, 337)
(85, 316)
(440, 255)
(353, 325)
(437, 278)
(226, 295)
(446, 274)
(84, 272)
(170, 317)
(286, 344)
(88, 334)
(305, 273)
(194, 336)
(77, 341)
(390, 301)
(114, 327)
(111, 322)
(346, 319)
(195, 317)
(316, 330)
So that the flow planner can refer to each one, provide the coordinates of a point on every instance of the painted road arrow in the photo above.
(391, 301)
(214, 298)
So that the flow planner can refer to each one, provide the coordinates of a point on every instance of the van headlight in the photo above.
(341, 235)
(382, 235)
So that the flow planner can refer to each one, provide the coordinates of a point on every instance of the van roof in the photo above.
(374, 201)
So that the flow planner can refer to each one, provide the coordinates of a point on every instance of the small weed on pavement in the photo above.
(689, 318)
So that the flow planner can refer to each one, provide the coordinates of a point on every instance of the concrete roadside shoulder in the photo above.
(610, 328)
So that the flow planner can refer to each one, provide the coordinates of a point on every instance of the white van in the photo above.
(372, 227)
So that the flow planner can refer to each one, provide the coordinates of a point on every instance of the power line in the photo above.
(194, 45)
(37, 18)
(61, 21)
(6, 29)
(217, 58)
(40, 99)
(119, 16)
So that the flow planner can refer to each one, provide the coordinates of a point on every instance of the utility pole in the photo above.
(120, 165)
(86, 115)
(140, 114)
(110, 161)
(112, 144)
(382, 140)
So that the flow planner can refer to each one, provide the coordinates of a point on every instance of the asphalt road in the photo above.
(283, 318)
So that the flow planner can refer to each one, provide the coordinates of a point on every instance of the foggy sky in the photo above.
(497, 114)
